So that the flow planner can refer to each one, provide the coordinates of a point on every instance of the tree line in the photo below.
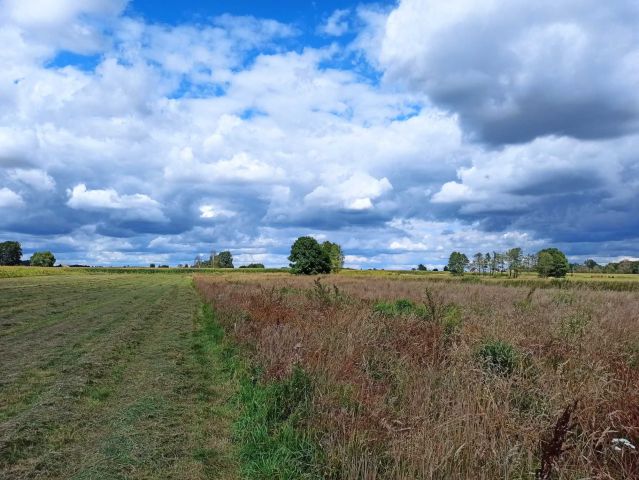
(549, 262)
(309, 257)
(11, 255)
(591, 266)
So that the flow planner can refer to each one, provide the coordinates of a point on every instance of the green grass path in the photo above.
(110, 377)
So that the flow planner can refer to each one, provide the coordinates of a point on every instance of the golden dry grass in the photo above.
(415, 395)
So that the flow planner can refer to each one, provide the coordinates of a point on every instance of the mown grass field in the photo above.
(109, 377)
(119, 373)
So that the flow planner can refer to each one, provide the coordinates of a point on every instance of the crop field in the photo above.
(593, 281)
(359, 375)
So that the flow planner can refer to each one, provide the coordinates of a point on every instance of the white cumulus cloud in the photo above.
(337, 24)
(138, 205)
(356, 192)
(10, 199)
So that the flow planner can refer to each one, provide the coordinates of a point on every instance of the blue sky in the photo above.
(139, 132)
(300, 12)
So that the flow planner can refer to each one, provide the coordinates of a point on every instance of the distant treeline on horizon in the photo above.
(495, 262)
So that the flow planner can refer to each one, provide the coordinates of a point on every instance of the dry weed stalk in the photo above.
(553, 448)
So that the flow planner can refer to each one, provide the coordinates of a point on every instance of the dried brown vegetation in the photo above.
(462, 380)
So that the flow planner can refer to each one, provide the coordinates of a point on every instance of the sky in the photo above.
(137, 132)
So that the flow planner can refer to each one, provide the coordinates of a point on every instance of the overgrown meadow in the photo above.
(386, 377)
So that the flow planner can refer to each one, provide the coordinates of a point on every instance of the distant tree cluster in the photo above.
(253, 265)
(591, 266)
(512, 261)
(308, 257)
(223, 260)
(216, 260)
(11, 255)
(549, 262)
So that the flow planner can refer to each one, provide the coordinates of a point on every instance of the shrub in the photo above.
(325, 295)
(403, 306)
(400, 307)
(499, 357)
(384, 308)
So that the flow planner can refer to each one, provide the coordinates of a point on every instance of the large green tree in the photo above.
(10, 253)
(335, 254)
(308, 257)
(551, 262)
(42, 259)
(457, 263)
(223, 260)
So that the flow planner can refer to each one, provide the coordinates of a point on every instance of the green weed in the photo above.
(452, 321)
(563, 297)
(270, 430)
(573, 327)
(401, 307)
(273, 441)
(499, 357)
(326, 295)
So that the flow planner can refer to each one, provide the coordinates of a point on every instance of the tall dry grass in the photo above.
(405, 395)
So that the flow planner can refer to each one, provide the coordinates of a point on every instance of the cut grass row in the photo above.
(124, 376)
(17, 272)
(110, 377)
